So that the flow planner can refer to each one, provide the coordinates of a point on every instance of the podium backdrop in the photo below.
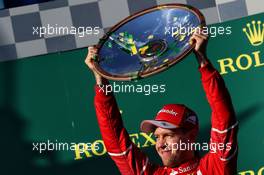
(50, 99)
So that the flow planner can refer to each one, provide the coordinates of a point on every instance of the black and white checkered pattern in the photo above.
(16, 24)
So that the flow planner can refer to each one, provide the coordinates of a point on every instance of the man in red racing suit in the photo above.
(171, 125)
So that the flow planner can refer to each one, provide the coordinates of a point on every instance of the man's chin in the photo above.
(168, 159)
(168, 163)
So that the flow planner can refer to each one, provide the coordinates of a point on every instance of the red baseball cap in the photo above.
(171, 116)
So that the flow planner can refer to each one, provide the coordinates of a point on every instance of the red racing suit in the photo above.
(131, 161)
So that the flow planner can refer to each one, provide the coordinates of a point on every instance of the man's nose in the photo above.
(164, 146)
(161, 143)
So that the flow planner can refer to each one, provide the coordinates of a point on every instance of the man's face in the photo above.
(166, 140)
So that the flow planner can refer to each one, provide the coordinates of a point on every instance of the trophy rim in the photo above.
(162, 67)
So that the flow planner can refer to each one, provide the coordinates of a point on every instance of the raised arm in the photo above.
(128, 158)
(222, 159)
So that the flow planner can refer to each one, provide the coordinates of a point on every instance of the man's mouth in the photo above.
(165, 155)
(166, 151)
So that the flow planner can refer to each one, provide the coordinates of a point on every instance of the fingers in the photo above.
(196, 41)
(200, 39)
(192, 40)
(92, 50)
(89, 61)
(199, 35)
(92, 53)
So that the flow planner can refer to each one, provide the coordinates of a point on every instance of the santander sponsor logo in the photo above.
(188, 168)
(168, 111)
